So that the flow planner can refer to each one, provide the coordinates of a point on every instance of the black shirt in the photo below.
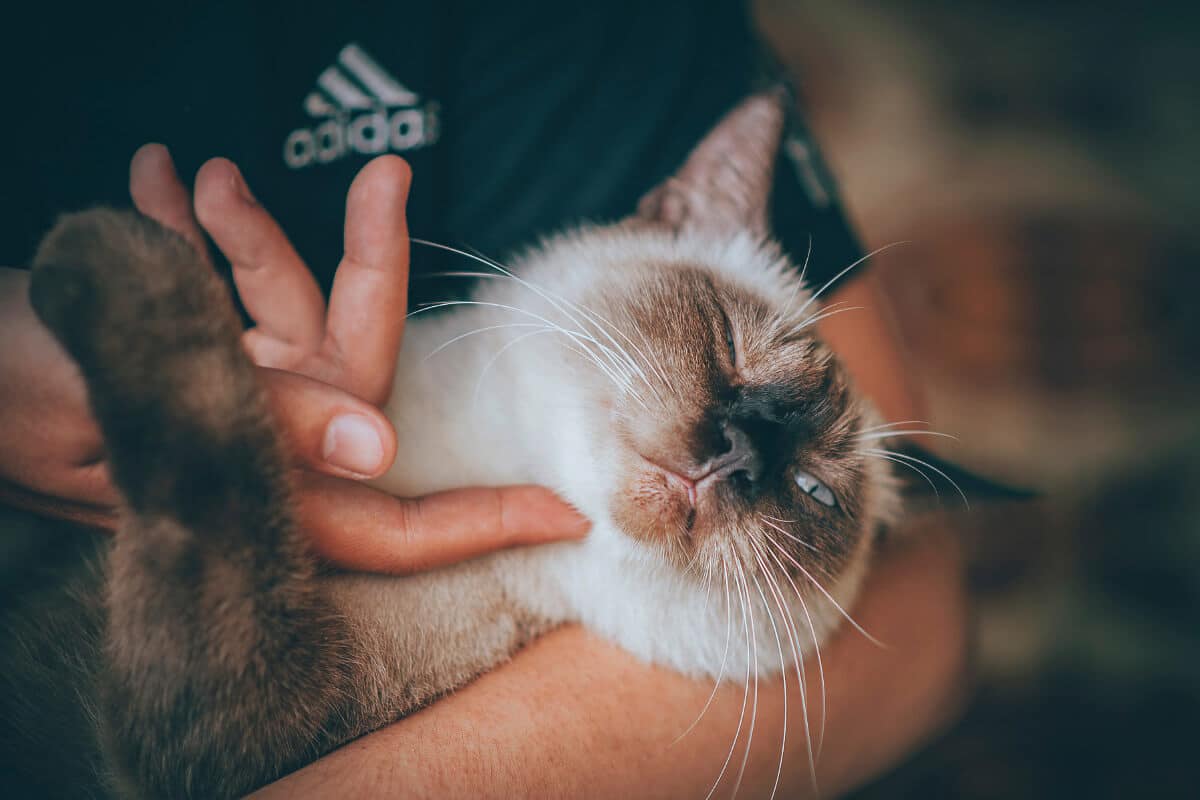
(517, 118)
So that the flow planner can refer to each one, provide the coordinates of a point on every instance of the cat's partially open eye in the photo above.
(813, 487)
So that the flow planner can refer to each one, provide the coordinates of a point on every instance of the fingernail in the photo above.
(353, 444)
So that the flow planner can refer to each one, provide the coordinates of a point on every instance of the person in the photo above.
(512, 121)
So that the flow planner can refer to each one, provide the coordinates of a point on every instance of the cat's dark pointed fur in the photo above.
(225, 665)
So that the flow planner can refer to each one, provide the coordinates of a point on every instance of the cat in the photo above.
(663, 374)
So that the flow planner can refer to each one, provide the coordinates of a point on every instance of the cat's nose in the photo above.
(739, 462)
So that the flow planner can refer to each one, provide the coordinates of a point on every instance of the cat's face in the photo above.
(732, 430)
(751, 435)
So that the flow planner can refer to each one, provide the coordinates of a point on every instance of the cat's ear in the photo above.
(725, 183)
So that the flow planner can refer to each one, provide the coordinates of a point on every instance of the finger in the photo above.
(361, 528)
(158, 193)
(329, 430)
(370, 291)
(51, 443)
(92, 516)
(278, 291)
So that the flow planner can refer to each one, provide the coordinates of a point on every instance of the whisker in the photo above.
(870, 437)
(462, 336)
(927, 465)
(838, 276)
(496, 356)
(745, 687)
(555, 300)
(894, 424)
(576, 336)
(782, 664)
(918, 470)
(815, 318)
(829, 597)
(724, 656)
(807, 256)
(812, 630)
(754, 707)
(791, 536)
(594, 317)
(786, 310)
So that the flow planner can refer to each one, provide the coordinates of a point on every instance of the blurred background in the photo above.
(1041, 159)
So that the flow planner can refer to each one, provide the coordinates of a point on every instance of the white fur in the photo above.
(543, 414)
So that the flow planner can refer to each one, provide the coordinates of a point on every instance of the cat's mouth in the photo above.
(696, 483)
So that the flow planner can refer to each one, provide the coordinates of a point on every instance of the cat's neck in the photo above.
(475, 407)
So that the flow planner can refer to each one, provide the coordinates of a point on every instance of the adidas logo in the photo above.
(363, 110)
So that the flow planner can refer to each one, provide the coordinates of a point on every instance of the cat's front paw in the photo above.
(112, 285)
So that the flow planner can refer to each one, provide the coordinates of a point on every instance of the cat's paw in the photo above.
(105, 280)
(64, 298)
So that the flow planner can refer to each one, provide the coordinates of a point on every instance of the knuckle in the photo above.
(410, 519)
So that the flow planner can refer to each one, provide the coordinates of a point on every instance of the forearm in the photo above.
(575, 716)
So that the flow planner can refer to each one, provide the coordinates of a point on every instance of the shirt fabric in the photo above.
(518, 118)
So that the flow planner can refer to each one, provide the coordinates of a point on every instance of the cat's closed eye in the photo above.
(814, 488)
(730, 343)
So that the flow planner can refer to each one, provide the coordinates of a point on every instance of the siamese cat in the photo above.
(663, 374)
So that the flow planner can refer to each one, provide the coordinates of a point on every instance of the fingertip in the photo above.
(149, 160)
(153, 182)
(219, 183)
(381, 187)
(538, 514)
(389, 170)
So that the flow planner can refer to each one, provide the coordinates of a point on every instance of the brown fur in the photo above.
(228, 660)
(786, 396)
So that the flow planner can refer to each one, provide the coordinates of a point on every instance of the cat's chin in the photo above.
(657, 508)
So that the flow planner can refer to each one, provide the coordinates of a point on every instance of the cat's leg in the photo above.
(230, 660)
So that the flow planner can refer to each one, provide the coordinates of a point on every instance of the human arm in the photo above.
(574, 716)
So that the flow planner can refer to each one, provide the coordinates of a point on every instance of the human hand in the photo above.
(52, 457)
(326, 372)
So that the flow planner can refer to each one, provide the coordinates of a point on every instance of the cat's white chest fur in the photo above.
(653, 612)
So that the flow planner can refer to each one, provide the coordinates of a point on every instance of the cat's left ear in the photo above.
(725, 183)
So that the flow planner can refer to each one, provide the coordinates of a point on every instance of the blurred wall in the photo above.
(1040, 159)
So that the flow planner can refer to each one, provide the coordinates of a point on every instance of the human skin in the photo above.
(321, 367)
(575, 716)
(571, 715)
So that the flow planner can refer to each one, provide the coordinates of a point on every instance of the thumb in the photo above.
(364, 529)
(327, 429)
